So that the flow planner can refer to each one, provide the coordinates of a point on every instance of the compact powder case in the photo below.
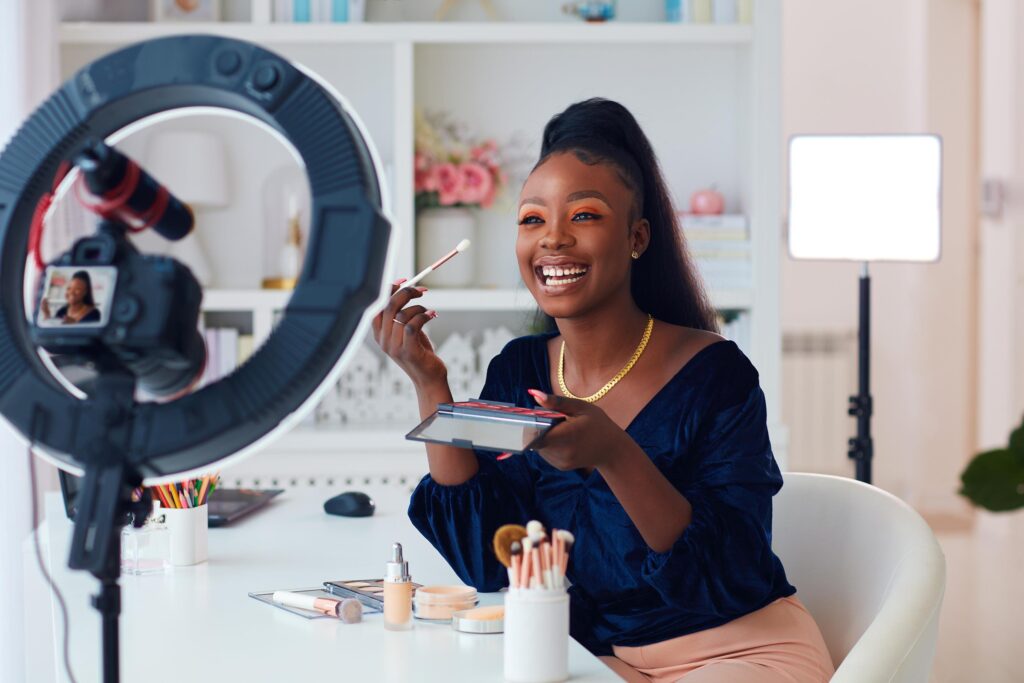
(480, 620)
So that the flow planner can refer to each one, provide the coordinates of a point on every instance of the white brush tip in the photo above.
(462, 246)
(566, 536)
(533, 527)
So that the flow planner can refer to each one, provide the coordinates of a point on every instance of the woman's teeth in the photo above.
(562, 275)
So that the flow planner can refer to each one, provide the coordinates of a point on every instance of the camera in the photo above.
(105, 302)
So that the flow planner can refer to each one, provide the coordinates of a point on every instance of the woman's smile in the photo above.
(559, 275)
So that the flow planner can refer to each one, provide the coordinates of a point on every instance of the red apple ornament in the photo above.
(708, 201)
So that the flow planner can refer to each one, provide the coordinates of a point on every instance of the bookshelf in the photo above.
(707, 95)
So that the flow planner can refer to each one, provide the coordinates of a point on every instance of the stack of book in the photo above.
(305, 11)
(720, 246)
(226, 349)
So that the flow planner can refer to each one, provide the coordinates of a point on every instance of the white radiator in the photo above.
(819, 372)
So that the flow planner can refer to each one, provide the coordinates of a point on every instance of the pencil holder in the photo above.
(536, 636)
(187, 528)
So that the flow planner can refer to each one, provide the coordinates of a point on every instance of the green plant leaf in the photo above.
(994, 480)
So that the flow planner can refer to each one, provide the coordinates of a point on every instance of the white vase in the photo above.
(438, 231)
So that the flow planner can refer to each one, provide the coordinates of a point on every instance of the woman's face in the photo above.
(575, 236)
(75, 292)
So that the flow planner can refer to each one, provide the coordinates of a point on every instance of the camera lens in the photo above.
(164, 374)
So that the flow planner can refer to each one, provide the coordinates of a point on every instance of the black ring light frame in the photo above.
(344, 268)
(115, 439)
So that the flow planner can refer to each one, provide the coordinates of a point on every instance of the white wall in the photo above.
(26, 29)
(897, 66)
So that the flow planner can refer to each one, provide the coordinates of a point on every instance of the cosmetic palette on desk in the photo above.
(370, 592)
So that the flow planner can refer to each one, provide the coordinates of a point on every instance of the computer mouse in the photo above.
(350, 504)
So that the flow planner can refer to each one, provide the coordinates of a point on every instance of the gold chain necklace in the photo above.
(614, 380)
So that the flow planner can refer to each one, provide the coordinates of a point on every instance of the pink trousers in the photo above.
(779, 643)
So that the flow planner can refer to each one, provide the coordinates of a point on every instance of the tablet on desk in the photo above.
(228, 505)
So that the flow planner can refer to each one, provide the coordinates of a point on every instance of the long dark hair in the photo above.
(664, 281)
(83, 275)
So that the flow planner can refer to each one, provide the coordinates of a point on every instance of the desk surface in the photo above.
(200, 619)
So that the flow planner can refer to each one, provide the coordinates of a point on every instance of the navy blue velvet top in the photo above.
(706, 432)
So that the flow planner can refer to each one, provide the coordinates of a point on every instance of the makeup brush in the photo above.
(545, 563)
(538, 574)
(350, 611)
(517, 560)
(567, 540)
(524, 579)
(534, 528)
(459, 248)
(504, 537)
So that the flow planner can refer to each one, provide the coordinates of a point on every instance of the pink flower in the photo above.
(425, 181)
(477, 183)
(448, 183)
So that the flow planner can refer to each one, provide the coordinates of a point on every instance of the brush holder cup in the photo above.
(536, 636)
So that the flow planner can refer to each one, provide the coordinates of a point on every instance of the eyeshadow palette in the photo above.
(370, 592)
(486, 425)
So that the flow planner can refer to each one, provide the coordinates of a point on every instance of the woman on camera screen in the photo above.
(80, 306)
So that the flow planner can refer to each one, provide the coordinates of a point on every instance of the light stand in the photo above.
(864, 198)
(861, 446)
(105, 502)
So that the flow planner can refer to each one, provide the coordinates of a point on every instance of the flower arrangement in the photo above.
(451, 167)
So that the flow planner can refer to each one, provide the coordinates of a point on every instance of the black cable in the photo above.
(42, 567)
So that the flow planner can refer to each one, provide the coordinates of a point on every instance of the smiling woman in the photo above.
(662, 469)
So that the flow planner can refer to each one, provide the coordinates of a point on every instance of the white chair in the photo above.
(868, 568)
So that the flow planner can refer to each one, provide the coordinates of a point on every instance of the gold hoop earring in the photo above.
(635, 254)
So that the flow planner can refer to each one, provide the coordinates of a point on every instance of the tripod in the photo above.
(105, 505)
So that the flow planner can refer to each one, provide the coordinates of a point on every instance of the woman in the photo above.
(80, 307)
(663, 470)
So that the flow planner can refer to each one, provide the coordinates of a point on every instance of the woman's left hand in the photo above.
(587, 438)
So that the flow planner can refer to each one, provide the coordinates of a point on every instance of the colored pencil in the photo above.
(202, 490)
(173, 493)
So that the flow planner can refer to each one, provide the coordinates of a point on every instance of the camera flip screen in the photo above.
(76, 295)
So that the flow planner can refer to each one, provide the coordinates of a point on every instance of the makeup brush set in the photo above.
(537, 602)
(534, 559)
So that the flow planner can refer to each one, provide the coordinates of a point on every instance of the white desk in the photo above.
(200, 619)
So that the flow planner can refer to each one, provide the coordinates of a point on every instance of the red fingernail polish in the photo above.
(400, 281)
(504, 456)
(432, 314)
(537, 394)
(422, 289)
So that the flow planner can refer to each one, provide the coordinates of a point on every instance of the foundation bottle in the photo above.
(397, 592)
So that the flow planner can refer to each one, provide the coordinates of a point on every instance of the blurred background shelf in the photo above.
(471, 299)
(109, 33)
(706, 95)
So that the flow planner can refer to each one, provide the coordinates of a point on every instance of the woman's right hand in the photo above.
(398, 330)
